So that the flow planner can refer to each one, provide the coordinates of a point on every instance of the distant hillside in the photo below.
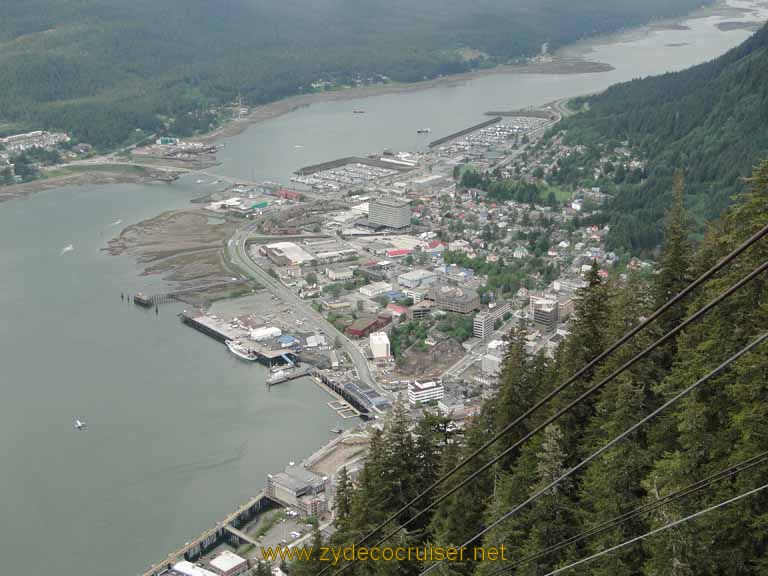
(99, 68)
(710, 120)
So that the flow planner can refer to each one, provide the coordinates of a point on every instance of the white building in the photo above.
(520, 253)
(265, 333)
(423, 392)
(485, 322)
(39, 139)
(416, 278)
(337, 274)
(379, 342)
(188, 569)
(229, 564)
(287, 254)
(577, 205)
(415, 295)
(491, 364)
(389, 213)
(375, 289)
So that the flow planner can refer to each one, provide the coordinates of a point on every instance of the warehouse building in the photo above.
(299, 488)
(375, 289)
(185, 568)
(229, 564)
(339, 274)
(287, 254)
(416, 278)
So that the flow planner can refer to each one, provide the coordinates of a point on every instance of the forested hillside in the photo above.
(710, 120)
(717, 432)
(99, 68)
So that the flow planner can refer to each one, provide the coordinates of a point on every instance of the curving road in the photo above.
(238, 254)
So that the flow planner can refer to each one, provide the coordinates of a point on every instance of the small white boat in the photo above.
(67, 248)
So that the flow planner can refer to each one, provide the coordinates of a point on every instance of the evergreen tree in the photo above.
(722, 422)
(674, 267)
(342, 500)
(610, 486)
(586, 341)
(461, 515)
(515, 394)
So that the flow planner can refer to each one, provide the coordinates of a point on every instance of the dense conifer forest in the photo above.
(102, 68)
(710, 120)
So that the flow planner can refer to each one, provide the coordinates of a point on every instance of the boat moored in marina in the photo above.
(241, 351)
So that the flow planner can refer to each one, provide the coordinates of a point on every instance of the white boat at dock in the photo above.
(241, 351)
(277, 376)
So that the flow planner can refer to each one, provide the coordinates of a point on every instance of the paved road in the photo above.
(238, 253)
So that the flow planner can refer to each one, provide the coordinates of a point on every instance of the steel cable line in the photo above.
(536, 495)
(693, 318)
(724, 474)
(657, 530)
(591, 364)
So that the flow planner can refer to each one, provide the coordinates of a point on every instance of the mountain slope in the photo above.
(710, 120)
(101, 67)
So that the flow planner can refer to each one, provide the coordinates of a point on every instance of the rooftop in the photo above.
(424, 386)
(189, 569)
(227, 561)
(391, 202)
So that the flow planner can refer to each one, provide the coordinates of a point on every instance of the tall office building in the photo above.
(389, 212)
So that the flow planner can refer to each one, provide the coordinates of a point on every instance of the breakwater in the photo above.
(464, 132)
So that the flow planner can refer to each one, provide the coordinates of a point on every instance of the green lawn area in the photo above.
(562, 195)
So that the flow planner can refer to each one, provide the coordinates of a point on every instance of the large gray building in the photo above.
(390, 213)
(451, 299)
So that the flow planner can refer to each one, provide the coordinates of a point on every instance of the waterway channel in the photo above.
(179, 432)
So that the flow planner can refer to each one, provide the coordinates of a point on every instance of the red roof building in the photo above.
(397, 310)
(398, 253)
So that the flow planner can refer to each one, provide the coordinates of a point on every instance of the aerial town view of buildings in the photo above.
(387, 279)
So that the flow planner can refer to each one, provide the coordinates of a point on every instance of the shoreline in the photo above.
(80, 175)
(109, 172)
(264, 112)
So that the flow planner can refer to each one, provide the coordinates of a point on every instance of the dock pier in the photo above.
(224, 531)
(147, 301)
(464, 132)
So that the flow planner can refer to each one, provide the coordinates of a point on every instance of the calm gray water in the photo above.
(179, 431)
(273, 149)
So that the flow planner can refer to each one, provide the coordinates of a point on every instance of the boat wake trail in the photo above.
(211, 464)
